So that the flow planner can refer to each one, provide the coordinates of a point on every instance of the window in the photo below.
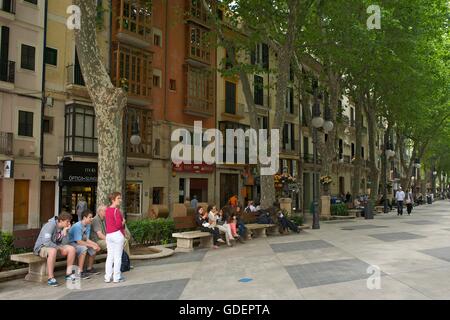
(260, 55)
(48, 125)
(157, 40)
(352, 117)
(353, 150)
(173, 85)
(263, 123)
(305, 146)
(290, 100)
(134, 67)
(288, 137)
(230, 97)
(133, 197)
(259, 90)
(136, 18)
(200, 90)
(80, 130)
(341, 148)
(32, 1)
(198, 45)
(156, 81)
(51, 56)
(158, 195)
(25, 124)
(28, 57)
(362, 153)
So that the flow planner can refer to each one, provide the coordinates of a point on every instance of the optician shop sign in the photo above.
(78, 172)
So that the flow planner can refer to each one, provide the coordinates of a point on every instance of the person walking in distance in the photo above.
(82, 206)
(115, 238)
(400, 197)
(409, 201)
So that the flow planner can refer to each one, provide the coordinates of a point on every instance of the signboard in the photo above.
(193, 168)
(9, 169)
(78, 172)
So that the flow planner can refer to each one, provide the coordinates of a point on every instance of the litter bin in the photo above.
(429, 199)
(368, 211)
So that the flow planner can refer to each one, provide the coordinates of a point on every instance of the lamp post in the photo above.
(417, 167)
(318, 122)
(135, 140)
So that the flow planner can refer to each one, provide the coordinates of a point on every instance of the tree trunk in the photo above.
(109, 103)
(370, 107)
(356, 185)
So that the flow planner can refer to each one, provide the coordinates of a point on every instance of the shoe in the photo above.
(84, 276)
(215, 247)
(92, 271)
(70, 277)
(220, 240)
(121, 279)
(108, 281)
(131, 267)
(52, 282)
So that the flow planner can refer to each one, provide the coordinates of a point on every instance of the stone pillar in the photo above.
(326, 206)
(286, 204)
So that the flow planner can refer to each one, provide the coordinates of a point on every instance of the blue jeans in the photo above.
(400, 207)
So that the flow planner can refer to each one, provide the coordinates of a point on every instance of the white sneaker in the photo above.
(220, 240)
(107, 280)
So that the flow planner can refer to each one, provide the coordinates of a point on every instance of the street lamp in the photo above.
(135, 140)
(318, 122)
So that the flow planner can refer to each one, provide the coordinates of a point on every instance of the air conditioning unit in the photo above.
(49, 101)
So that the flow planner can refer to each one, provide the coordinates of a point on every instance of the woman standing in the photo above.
(115, 238)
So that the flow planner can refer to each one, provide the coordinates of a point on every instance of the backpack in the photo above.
(125, 262)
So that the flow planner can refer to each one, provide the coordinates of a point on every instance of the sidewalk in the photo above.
(413, 253)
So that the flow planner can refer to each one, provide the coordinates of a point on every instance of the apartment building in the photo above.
(21, 63)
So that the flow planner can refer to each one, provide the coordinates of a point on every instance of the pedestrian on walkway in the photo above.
(82, 206)
(400, 197)
(409, 201)
(194, 202)
(115, 238)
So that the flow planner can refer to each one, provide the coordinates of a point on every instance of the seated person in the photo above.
(287, 224)
(202, 221)
(50, 242)
(98, 231)
(79, 238)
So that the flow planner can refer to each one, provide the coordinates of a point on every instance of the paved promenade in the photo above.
(412, 253)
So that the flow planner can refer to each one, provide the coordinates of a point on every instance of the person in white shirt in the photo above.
(400, 197)
(251, 207)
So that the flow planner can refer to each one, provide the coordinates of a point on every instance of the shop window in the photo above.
(158, 195)
(133, 198)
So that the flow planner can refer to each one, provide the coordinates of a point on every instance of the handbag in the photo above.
(125, 266)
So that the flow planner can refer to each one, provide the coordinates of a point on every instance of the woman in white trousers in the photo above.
(115, 238)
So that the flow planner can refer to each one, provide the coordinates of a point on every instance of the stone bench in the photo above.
(37, 266)
(259, 230)
(185, 240)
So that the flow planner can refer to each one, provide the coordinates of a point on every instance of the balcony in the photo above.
(75, 81)
(290, 148)
(8, 71)
(235, 112)
(198, 50)
(196, 12)
(133, 23)
(309, 159)
(132, 70)
(6, 143)
(8, 9)
(199, 107)
(293, 116)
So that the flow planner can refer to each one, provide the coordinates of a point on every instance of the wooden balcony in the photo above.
(132, 70)
(199, 92)
(195, 12)
(291, 148)
(132, 22)
(198, 49)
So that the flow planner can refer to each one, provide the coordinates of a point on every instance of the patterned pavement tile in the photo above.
(300, 245)
(397, 236)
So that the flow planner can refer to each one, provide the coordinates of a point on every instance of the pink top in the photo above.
(114, 221)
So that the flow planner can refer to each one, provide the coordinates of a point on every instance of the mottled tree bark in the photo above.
(109, 103)
(357, 164)
(370, 108)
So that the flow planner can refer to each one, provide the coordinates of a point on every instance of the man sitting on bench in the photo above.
(79, 239)
(50, 242)
(98, 231)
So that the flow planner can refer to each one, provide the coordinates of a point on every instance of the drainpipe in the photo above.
(166, 49)
(41, 158)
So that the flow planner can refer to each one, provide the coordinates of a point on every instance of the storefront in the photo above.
(77, 180)
(194, 180)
